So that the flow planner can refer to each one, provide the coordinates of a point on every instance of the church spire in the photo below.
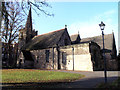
(28, 25)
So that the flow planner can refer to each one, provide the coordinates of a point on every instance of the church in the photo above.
(58, 50)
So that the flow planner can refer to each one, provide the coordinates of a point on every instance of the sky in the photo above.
(82, 17)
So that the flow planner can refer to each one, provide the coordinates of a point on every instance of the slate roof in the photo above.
(108, 40)
(43, 41)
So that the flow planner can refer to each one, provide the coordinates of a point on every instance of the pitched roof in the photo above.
(73, 37)
(43, 41)
(108, 40)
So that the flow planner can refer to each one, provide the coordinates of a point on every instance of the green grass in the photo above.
(36, 76)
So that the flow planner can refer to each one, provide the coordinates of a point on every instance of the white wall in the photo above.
(82, 57)
(81, 62)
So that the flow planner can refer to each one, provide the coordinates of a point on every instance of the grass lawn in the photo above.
(36, 76)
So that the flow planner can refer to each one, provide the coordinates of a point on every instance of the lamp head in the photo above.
(102, 25)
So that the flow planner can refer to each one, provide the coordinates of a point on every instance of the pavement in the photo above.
(91, 80)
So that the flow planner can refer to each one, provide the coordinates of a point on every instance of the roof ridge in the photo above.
(49, 32)
(97, 36)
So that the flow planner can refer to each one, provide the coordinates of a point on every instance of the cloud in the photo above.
(91, 27)
(111, 12)
(106, 16)
(86, 29)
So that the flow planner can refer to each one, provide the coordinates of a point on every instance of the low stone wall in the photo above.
(112, 65)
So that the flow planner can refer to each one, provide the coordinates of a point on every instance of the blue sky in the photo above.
(79, 16)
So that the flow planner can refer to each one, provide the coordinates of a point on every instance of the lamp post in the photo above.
(102, 26)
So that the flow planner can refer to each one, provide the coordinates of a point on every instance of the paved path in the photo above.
(91, 79)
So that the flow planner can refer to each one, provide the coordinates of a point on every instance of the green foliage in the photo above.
(30, 75)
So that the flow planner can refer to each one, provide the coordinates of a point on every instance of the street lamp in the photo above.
(102, 26)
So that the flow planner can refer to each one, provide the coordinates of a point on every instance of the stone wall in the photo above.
(82, 58)
(39, 57)
(21, 57)
(71, 57)
(77, 57)
(96, 56)
(112, 64)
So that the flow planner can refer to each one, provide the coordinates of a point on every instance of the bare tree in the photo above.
(0, 38)
(37, 5)
(12, 11)
(12, 23)
(13, 19)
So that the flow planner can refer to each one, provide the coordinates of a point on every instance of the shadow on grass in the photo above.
(32, 86)
(82, 83)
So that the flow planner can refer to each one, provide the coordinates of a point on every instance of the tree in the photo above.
(13, 19)
(37, 5)
(12, 22)
(12, 11)
(0, 38)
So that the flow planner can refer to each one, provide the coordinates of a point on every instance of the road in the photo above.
(91, 79)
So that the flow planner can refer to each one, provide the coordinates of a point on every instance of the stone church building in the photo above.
(60, 51)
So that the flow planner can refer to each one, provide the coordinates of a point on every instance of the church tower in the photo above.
(26, 34)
